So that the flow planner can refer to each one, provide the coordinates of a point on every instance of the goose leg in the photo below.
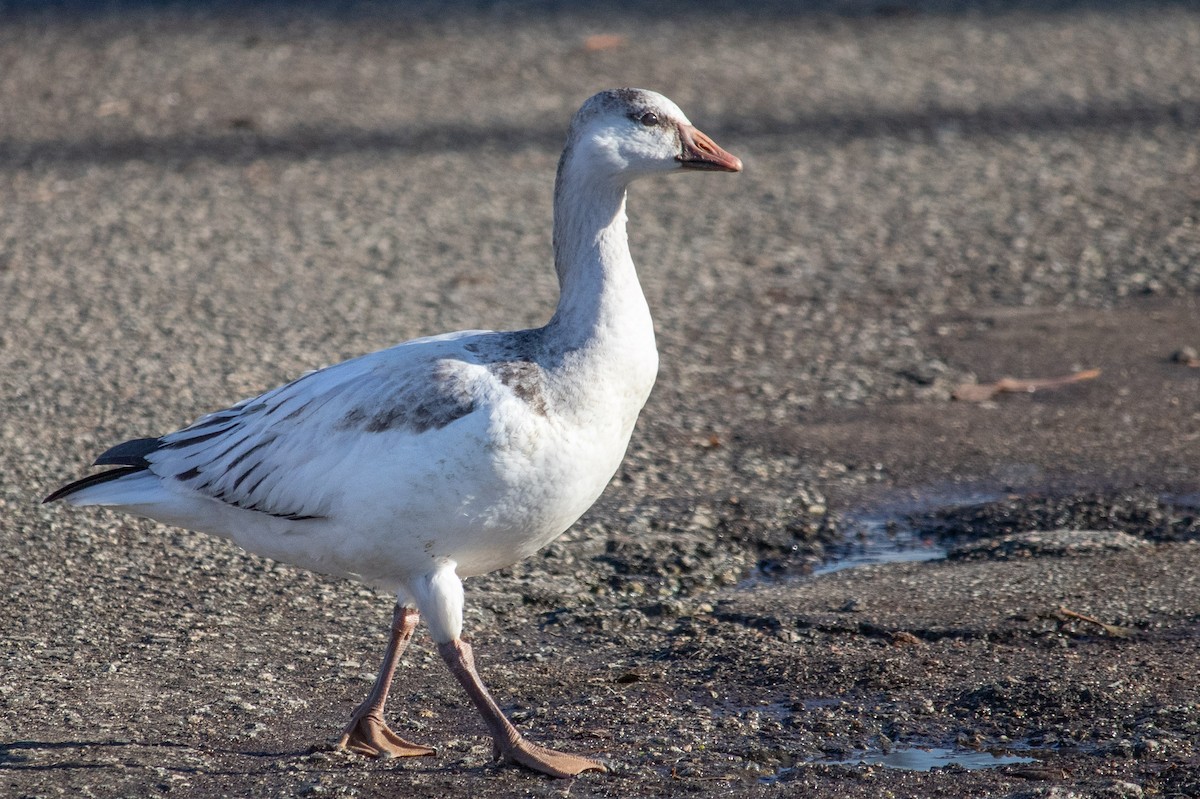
(508, 744)
(367, 733)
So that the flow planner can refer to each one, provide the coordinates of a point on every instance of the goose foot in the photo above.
(369, 735)
(547, 761)
(508, 744)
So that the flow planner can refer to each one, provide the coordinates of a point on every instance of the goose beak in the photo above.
(701, 152)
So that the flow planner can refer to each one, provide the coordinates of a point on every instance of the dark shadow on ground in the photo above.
(619, 10)
(241, 143)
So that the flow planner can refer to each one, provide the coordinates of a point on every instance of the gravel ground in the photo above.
(201, 201)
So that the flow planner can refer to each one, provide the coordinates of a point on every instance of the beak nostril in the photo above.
(701, 152)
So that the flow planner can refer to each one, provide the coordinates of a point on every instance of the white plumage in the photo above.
(447, 456)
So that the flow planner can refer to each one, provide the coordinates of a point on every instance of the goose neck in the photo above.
(597, 281)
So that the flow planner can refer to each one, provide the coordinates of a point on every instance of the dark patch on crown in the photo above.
(629, 96)
(633, 102)
(625, 101)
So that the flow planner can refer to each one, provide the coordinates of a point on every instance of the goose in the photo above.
(444, 457)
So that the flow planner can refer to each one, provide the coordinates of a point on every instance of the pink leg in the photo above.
(507, 742)
(367, 733)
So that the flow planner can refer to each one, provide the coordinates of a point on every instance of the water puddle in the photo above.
(918, 526)
(886, 532)
(911, 758)
(928, 759)
(881, 539)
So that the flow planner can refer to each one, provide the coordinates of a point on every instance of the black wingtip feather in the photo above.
(130, 453)
(91, 480)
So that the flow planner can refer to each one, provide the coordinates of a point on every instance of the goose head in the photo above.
(624, 134)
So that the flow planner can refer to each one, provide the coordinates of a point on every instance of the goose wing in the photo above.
(285, 453)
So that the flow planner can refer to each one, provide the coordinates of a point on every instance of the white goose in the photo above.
(442, 457)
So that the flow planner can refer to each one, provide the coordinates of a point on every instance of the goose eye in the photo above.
(649, 119)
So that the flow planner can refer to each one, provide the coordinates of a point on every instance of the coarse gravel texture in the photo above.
(199, 201)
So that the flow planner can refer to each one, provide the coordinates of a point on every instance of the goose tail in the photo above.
(130, 484)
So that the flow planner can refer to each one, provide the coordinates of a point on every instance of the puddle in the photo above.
(881, 539)
(915, 527)
(912, 758)
(1191, 501)
(885, 533)
(928, 759)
